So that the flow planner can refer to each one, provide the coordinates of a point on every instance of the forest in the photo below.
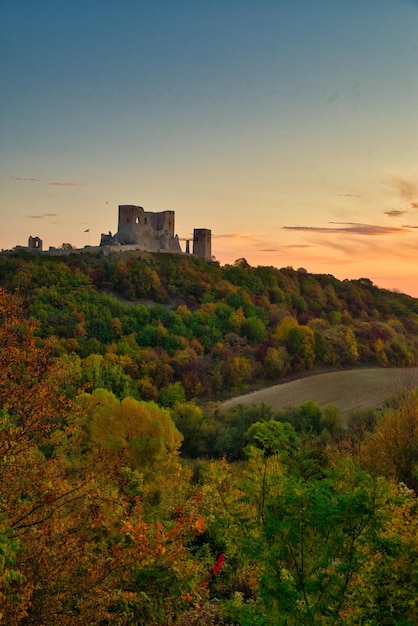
(130, 498)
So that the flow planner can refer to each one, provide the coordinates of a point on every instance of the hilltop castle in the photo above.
(154, 232)
(140, 230)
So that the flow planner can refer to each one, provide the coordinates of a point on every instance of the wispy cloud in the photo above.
(251, 236)
(347, 243)
(48, 181)
(350, 195)
(406, 188)
(298, 246)
(414, 205)
(42, 216)
(349, 227)
(287, 248)
(58, 183)
(333, 97)
(395, 212)
(23, 179)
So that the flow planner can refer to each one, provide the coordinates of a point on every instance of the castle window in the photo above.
(146, 220)
(137, 220)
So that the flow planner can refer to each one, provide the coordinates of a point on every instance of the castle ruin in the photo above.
(141, 230)
(35, 243)
(202, 243)
(154, 232)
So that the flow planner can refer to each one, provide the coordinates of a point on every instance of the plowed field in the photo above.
(350, 389)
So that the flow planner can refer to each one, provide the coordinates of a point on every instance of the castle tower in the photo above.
(35, 243)
(202, 243)
(153, 231)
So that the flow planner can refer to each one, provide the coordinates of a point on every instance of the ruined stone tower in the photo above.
(202, 243)
(153, 231)
(35, 243)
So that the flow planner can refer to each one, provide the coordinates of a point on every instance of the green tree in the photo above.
(272, 437)
(254, 330)
(172, 394)
(305, 542)
(196, 428)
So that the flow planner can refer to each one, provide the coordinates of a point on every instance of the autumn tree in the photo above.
(300, 544)
(32, 383)
(391, 449)
(74, 542)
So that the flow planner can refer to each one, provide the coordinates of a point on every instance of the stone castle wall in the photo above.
(138, 230)
(153, 231)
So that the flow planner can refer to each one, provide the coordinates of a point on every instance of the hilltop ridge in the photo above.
(148, 321)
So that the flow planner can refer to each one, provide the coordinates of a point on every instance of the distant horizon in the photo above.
(290, 129)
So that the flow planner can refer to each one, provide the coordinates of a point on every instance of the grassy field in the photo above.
(350, 389)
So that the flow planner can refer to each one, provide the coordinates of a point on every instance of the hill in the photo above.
(170, 326)
(115, 510)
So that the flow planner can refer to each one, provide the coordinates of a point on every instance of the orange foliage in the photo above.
(77, 543)
(31, 383)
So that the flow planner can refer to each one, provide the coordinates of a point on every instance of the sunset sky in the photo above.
(287, 127)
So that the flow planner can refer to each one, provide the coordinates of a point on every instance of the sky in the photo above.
(287, 127)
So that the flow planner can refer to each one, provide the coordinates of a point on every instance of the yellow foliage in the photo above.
(282, 329)
(392, 448)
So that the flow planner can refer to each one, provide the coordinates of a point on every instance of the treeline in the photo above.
(102, 523)
(168, 327)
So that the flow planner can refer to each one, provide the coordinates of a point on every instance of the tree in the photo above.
(385, 593)
(74, 544)
(272, 437)
(391, 449)
(254, 329)
(302, 543)
(43, 513)
(172, 394)
(276, 362)
(32, 383)
(195, 427)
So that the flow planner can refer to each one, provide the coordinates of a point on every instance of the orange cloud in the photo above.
(297, 246)
(349, 227)
(238, 236)
(395, 212)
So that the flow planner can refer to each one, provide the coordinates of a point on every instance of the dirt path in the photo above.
(350, 389)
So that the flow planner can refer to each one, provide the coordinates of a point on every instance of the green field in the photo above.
(350, 389)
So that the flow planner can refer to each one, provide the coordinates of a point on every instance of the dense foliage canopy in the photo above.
(138, 324)
(126, 500)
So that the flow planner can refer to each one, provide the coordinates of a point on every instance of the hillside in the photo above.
(129, 497)
(140, 323)
(350, 390)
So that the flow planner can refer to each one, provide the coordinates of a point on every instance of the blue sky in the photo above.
(288, 127)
